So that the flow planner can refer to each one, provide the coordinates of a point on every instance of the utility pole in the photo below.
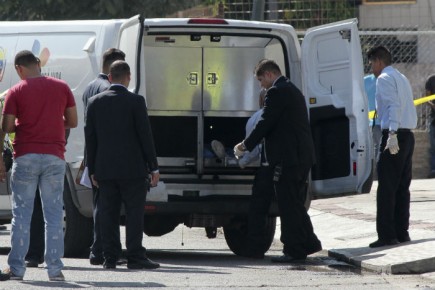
(258, 10)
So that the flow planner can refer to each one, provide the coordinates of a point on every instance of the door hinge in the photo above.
(345, 34)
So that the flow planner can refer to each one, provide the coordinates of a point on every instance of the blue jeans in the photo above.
(46, 172)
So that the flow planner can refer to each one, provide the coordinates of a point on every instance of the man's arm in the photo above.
(387, 89)
(147, 142)
(90, 139)
(8, 123)
(70, 117)
(271, 113)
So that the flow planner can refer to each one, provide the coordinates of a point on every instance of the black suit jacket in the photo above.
(119, 141)
(284, 127)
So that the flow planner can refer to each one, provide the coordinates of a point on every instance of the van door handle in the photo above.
(193, 79)
(212, 78)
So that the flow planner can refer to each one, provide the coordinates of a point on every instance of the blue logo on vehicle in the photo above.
(2, 62)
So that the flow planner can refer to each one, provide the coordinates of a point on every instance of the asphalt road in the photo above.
(189, 260)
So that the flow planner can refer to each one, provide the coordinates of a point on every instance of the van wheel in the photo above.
(78, 230)
(236, 234)
(156, 226)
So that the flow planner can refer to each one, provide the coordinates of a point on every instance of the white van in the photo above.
(197, 78)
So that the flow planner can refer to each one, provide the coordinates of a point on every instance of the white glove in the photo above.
(237, 152)
(392, 144)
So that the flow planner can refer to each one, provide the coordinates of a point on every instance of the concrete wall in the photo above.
(419, 14)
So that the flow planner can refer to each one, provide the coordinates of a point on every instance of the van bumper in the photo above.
(229, 206)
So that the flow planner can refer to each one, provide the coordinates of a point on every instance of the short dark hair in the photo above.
(111, 55)
(25, 58)
(119, 69)
(380, 52)
(266, 65)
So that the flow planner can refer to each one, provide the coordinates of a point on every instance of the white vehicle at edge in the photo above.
(197, 78)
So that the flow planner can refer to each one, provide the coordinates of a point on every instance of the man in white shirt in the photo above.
(397, 114)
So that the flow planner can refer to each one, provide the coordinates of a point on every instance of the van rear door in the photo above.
(130, 42)
(332, 69)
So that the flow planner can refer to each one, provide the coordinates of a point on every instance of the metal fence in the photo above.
(411, 47)
(412, 56)
(301, 14)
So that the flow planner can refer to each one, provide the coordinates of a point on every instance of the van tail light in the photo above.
(150, 208)
(207, 21)
(354, 168)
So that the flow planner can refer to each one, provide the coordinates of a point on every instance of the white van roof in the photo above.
(47, 26)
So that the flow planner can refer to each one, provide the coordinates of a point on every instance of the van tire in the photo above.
(78, 230)
(156, 226)
(237, 238)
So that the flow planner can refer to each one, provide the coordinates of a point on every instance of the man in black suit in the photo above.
(120, 155)
(289, 152)
(98, 85)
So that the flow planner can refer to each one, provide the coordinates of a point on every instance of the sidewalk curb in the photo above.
(413, 267)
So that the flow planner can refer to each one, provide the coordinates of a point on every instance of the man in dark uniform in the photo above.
(100, 84)
(120, 168)
(289, 152)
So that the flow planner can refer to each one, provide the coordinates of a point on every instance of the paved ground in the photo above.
(346, 226)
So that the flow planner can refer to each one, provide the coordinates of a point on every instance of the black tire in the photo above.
(78, 230)
(236, 234)
(156, 226)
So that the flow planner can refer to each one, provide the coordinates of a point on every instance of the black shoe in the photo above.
(121, 261)
(109, 265)
(404, 239)
(287, 259)
(383, 243)
(143, 264)
(314, 248)
(32, 264)
(96, 260)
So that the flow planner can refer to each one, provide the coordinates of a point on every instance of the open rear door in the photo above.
(130, 42)
(333, 86)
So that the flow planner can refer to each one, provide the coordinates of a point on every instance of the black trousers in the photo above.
(112, 193)
(97, 247)
(297, 233)
(394, 179)
(261, 198)
(37, 232)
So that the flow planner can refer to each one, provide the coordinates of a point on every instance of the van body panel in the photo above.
(71, 51)
(333, 86)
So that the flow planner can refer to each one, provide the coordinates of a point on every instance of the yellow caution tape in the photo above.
(416, 103)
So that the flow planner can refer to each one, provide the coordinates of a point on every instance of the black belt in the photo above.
(400, 130)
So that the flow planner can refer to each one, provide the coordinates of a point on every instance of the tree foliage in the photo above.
(22, 10)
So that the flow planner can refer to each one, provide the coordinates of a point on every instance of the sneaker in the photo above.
(7, 274)
(58, 277)
(218, 149)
